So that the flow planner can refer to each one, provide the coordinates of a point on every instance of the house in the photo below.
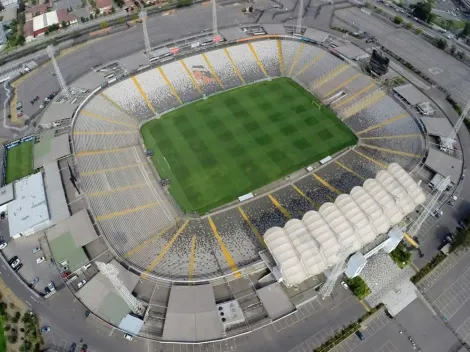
(35, 10)
(104, 6)
(42, 22)
(28, 31)
(8, 15)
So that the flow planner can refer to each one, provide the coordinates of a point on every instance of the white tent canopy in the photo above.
(304, 248)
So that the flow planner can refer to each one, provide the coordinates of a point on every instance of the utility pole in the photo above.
(65, 90)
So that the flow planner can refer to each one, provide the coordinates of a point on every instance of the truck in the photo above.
(446, 248)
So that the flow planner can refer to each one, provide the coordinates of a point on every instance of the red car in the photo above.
(65, 274)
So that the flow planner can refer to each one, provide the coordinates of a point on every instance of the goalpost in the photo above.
(317, 104)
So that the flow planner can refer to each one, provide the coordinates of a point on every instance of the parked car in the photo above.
(128, 337)
(47, 290)
(81, 283)
(84, 348)
(51, 286)
(360, 335)
(3, 244)
(18, 267)
(12, 259)
(36, 249)
(19, 105)
(33, 282)
(40, 260)
(345, 285)
(45, 329)
(65, 274)
(72, 347)
(15, 263)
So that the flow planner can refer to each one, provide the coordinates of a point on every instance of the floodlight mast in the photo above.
(298, 29)
(459, 122)
(215, 29)
(143, 17)
(338, 268)
(111, 272)
(63, 86)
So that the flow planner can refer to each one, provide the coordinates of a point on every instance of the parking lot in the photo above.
(302, 313)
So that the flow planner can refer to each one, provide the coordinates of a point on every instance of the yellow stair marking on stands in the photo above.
(311, 63)
(384, 123)
(126, 211)
(327, 184)
(411, 240)
(364, 103)
(101, 151)
(102, 171)
(143, 94)
(279, 206)
(209, 65)
(119, 189)
(169, 84)
(349, 170)
(165, 249)
(116, 105)
(398, 136)
(146, 242)
(330, 75)
(391, 151)
(363, 90)
(104, 118)
(228, 257)
(195, 84)
(258, 61)
(191, 258)
(252, 227)
(235, 68)
(94, 133)
(345, 83)
(364, 304)
(296, 58)
(312, 203)
(382, 165)
(280, 56)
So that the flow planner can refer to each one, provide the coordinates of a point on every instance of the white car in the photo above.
(128, 337)
(81, 283)
(40, 260)
(345, 285)
(3, 244)
(15, 263)
(36, 249)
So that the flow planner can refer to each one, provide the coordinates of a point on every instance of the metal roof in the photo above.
(411, 94)
(437, 126)
(57, 112)
(78, 225)
(55, 194)
(131, 324)
(50, 149)
(307, 247)
(444, 164)
(6, 194)
(275, 301)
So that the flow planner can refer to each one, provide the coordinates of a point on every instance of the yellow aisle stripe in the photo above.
(102, 171)
(116, 105)
(146, 242)
(209, 65)
(330, 75)
(326, 184)
(101, 151)
(170, 85)
(228, 257)
(126, 211)
(94, 133)
(384, 123)
(279, 206)
(280, 56)
(143, 94)
(195, 84)
(366, 307)
(165, 249)
(258, 61)
(296, 58)
(398, 136)
(104, 118)
(411, 240)
(312, 203)
(115, 190)
(311, 63)
(381, 165)
(191, 258)
(364, 103)
(349, 170)
(345, 83)
(391, 151)
(363, 90)
(235, 68)
(252, 227)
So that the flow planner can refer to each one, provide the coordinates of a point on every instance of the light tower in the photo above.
(215, 29)
(298, 29)
(111, 272)
(338, 268)
(459, 122)
(65, 90)
(143, 17)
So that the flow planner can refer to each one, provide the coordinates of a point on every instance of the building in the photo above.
(104, 6)
(36, 10)
(9, 3)
(379, 63)
(8, 15)
(42, 22)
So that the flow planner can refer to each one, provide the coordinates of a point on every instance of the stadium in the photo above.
(188, 165)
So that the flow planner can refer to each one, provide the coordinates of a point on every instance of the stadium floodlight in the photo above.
(143, 17)
(65, 90)
(111, 272)
(215, 30)
(298, 29)
(459, 122)
(338, 268)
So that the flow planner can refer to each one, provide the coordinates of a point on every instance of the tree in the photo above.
(422, 10)
(461, 55)
(2, 7)
(466, 30)
(91, 16)
(441, 43)
(21, 6)
(64, 24)
(113, 10)
(82, 19)
(104, 25)
(120, 20)
(462, 238)
(97, 12)
(453, 49)
(368, 5)
(409, 26)
(398, 20)
(358, 287)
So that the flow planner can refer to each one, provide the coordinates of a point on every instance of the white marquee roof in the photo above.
(304, 248)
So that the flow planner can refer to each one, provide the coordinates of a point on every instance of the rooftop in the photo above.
(6, 194)
(78, 225)
(55, 194)
(57, 112)
(8, 14)
(437, 126)
(50, 149)
(444, 164)
(411, 94)
(102, 4)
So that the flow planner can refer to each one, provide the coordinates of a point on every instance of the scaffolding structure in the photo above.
(143, 17)
(111, 272)
(338, 268)
(63, 86)
(459, 122)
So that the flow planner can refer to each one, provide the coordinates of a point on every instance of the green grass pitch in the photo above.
(218, 149)
(19, 161)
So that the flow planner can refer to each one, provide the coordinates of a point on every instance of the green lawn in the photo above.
(218, 149)
(19, 161)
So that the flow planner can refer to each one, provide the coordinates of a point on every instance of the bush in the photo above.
(358, 287)
(428, 267)
(401, 256)
(398, 20)
(454, 104)
(104, 25)
(441, 43)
